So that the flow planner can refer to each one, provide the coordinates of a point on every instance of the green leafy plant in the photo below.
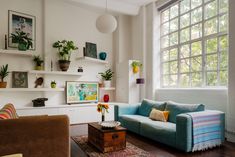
(107, 75)
(136, 64)
(38, 60)
(65, 49)
(4, 72)
(53, 82)
(22, 38)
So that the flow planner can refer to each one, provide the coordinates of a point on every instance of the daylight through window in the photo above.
(194, 44)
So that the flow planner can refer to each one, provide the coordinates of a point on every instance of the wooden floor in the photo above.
(156, 149)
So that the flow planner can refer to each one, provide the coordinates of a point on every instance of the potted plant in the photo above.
(65, 48)
(38, 62)
(23, 40)
(53, 84)
(3, 73)
(136, 65)
(107, 77)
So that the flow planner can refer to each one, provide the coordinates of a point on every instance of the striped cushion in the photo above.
(8, 112)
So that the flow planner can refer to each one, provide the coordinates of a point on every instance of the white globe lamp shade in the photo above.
(106, 23)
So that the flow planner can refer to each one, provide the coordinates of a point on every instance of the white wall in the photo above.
(56, 20)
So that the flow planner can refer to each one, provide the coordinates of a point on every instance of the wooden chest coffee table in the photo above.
(106, 140)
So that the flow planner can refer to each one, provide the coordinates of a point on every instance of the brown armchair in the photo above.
(35, 136)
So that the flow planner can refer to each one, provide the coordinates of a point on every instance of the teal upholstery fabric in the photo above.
(178, 108)
(184, 132)
(147, 105)
(164, 132)
(125, 109)
(132, 122)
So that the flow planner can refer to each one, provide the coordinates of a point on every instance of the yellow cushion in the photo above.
(159, 115)
(13, 155)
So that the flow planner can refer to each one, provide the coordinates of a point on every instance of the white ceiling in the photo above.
(129, 7)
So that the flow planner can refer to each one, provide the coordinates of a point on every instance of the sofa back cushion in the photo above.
(8, 112)
(178, 108)
(147, 105)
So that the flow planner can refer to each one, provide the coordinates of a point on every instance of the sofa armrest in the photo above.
(128, 109)
(35, 135)
(184, 132)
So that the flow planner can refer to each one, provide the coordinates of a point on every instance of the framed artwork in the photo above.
(80, 92)
(91, 50)
(21, 22)
(19, 79)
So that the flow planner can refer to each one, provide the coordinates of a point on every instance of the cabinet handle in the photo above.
(114, 136)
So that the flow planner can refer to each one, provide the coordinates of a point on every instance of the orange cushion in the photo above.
(159, 115)
(8, 112)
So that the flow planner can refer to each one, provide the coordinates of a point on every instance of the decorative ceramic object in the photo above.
(103, 55)
(106, 98)
(109, 124)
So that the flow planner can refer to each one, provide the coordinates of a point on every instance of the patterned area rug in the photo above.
(130, 151)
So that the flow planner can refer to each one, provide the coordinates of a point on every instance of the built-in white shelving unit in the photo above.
(32, 89)
(55, 73)
(93, 60)
(17, 52)
(110, 88)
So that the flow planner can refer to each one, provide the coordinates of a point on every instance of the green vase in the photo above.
(22, 47)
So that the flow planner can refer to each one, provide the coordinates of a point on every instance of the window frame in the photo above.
(203, 38)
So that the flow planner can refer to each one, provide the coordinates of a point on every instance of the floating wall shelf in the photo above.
(31, 89)
(110, 88)
(55, 73)
(93, 60)
(17, 52)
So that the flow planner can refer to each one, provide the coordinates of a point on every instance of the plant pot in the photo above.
(53, 85)
(3, 84)
(22, 47)
(64, 65)
(107, 84)
(135, 69)
(39, 67)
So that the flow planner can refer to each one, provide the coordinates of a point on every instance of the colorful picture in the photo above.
(21, 22)
(77, 92)
(19, 79)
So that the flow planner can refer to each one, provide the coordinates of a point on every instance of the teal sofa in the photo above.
(177, 132)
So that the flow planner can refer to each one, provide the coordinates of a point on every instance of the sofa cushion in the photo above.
(178, 108)
(132, 122)
(164, 132)
(147, 105)
(8, 112)
(159, 115)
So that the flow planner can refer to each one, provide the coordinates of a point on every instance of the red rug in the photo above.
(130, 151)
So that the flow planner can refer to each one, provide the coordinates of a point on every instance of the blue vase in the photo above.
(103, 55)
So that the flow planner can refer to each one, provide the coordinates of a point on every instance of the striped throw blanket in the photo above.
(207, 130)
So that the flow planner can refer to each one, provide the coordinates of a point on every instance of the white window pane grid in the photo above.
(184, 66)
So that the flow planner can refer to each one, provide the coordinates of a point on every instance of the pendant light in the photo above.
(106, 23)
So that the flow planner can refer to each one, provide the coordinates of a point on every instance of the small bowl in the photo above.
(109, 124)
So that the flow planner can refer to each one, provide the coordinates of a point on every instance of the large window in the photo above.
(194, 44)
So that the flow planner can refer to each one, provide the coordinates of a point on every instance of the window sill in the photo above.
(193, 89)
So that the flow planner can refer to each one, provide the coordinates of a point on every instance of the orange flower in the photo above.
(102, 106)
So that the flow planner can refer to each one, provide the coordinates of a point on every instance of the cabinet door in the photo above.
(39, 111)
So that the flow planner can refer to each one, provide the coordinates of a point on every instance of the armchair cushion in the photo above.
(178, 108)
(147, 105)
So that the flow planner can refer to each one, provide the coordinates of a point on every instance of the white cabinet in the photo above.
(83, 113)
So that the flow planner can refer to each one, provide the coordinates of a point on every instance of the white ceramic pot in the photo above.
(107, 84)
